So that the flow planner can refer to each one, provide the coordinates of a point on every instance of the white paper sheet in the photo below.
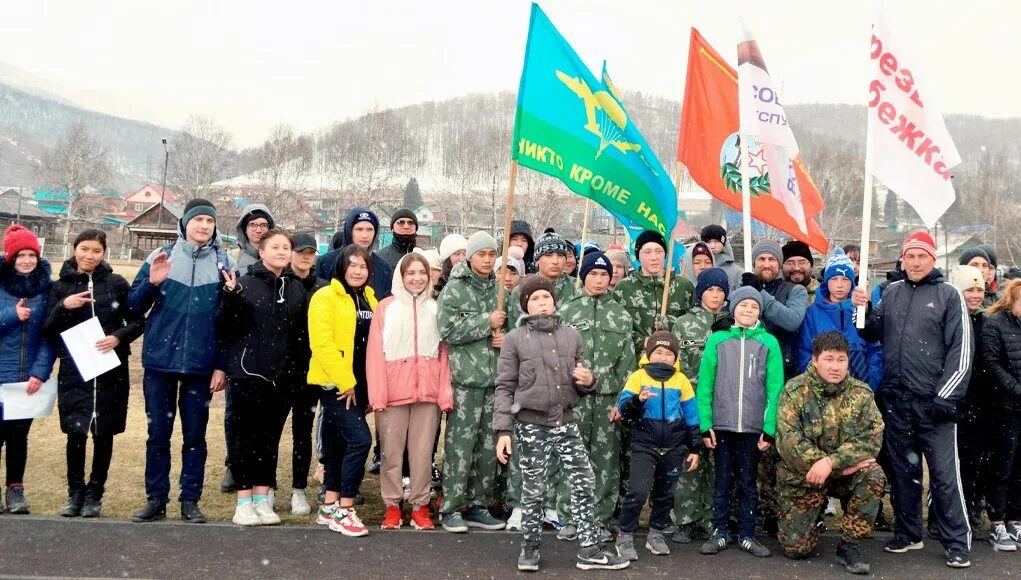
(81, 344)
(18, 404)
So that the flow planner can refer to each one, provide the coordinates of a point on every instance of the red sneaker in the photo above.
(346, 521)
(421, 519)
(392, 519)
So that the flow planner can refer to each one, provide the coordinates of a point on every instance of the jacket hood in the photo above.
(69, 270)
(22, 286)
(689, 267)
(341, 289)
(725, 257)
(241, 232)
(523, 227)
(541, 322)
(398, 290)
(349, 224)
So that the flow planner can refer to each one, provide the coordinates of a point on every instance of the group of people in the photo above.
(752, 399)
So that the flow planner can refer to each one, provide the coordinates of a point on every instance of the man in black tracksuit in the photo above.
(927, 338)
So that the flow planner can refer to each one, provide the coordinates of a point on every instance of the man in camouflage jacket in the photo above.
(641, 293)
(471, 326)
(693, 496)
(605, 329)
(828, 434)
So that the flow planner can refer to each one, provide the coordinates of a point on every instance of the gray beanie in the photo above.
(770, 247)
(745, 293)
(480, 241)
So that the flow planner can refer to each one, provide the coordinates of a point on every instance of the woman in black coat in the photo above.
(88, 288)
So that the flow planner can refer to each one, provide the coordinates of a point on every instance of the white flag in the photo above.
(912, 152)
(763, 118)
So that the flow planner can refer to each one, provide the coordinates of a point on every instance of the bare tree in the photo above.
(78, 161)
(286, 160)
(201, 155)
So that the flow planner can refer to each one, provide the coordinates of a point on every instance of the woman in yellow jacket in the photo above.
(339, 317)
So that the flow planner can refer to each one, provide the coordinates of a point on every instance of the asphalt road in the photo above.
(44, 547)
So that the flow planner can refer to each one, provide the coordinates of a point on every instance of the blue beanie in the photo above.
(839, 265)
(595, 261)
(711, 277)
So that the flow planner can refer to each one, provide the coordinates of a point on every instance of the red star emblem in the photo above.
(757, 161)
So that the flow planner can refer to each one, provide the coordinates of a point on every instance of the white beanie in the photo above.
(965, 277)
(451, 244)
(431, 256)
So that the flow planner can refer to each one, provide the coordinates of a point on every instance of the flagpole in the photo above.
(581, 245)
(866, 212)
(500, 289)
(746, 203)
(670, 248)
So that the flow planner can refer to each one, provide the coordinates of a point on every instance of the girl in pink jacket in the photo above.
(409, 385)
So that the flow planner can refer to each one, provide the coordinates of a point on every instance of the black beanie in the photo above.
(595, 261)
(972, 253)
(197, 207)
(649, 236)
(403, 214)
(714, 232)
(663, 338)
(530, 284)
(797, 249)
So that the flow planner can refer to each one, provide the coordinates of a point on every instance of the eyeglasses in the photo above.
(404, 222)
(258, 226)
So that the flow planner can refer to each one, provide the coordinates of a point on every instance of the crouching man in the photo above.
(828, 434)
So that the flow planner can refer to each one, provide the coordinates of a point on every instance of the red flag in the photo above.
(709, 146)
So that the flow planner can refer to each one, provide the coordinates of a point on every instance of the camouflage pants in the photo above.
(693, 496)
(469, 451)
(767, 483)
(538, 447)
(800, 506)
(512, 483)
(602, 440)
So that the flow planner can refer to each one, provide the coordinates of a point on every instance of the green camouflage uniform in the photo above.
(693, 495)
(816, 419)
(642, 295)
(469, 453)
(605, 329)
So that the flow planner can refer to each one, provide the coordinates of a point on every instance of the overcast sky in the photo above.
(252, 65)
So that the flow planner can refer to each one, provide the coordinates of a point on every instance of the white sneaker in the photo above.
(514, 521)
(299, 503)
(272, 498)
(266, 514)
(831, 507)
(244, 515)
(550, 516)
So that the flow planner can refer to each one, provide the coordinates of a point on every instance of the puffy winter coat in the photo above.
(927, 339)
(332, 322)
(668, 419)
(24, 352)
(108, 393)
(180, 331)
(725, 260)
(257, 324)
(1001, 356)
(605, 329)
(464, 308)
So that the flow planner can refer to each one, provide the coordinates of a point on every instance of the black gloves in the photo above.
(750, 279)
(722, 324)
(942, 411)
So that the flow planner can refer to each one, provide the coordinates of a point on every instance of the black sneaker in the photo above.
(958, 559)
(771, 526)
(359, 499)
(901, 546)
(73, 507)
(716, 542)
(374, 466)
(882, 524)
(753, 547)
(850, 556)
(528, 559)
(227, 485)
(190, 513)
(154, 510)
(595, 558)
(92, 507)
(16, 503)
(682, 535)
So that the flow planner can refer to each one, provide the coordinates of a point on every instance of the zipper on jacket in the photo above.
(95, 380)
(740, 388)
(187, 314)
(662, 416)
(24, 346)
(907, 319)
(414, 328)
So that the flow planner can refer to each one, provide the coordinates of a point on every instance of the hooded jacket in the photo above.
(181, 328)
(247, 254)
(689, 267)
(332, 321)
(667, 420)
(24, 352)
(523, 227)
(258, 322)
(825, 316)
(927, 339)
(407, 368)
(382, 273)
(534, 384)
(107, 395)
(605, 329)
(464, 308)
(301, 353)
(1001, 356)
(739, 381)
(725, 260)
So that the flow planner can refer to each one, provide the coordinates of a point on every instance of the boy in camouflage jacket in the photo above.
(828, 435)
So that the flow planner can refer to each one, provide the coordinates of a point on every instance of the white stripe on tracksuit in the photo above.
(964, 364)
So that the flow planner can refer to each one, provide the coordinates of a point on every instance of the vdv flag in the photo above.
(572, 126)
(772, 147)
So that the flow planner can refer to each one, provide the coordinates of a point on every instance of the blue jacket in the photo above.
(866, 360)
(382, 274)
(23, 351)
(180, 332)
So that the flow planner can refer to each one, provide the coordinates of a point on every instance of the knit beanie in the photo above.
(595, 261)
(702, 249)
(512, 262)
(965, 277)
(551, 243)
(530, 284)
(663, 338)
(709, 278)
(745, 293)
(619, 256)
(770, 247)
(839, 265)
(451, 244)
(403, 214)
(433, 257)
(714, 232)
(649, 236)
(479, 241)
(797, 249)
(197, 207)
(18, 238)
(919, 241)
(972, 253)
(991, 252)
